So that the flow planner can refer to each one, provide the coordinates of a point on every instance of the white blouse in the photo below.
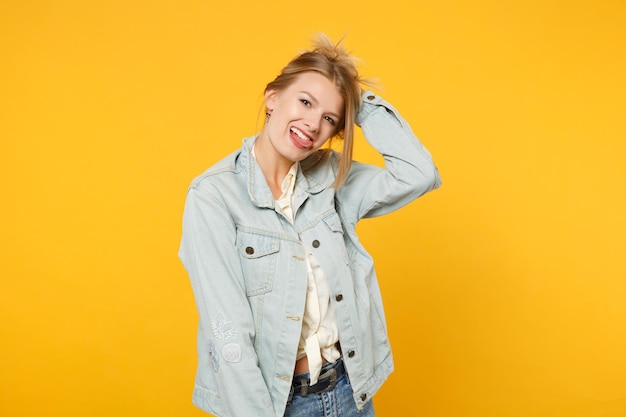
(319, 330)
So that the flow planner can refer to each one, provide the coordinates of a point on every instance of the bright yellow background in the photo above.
(505, 290)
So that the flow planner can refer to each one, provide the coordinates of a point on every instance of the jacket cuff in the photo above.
(369, 101)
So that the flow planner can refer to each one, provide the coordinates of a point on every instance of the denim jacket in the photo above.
(247, 266)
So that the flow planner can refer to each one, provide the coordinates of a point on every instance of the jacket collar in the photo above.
(315, 175)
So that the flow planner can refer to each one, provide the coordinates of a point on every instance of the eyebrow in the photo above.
(312, 97)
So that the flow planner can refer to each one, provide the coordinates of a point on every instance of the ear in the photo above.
(270, 99)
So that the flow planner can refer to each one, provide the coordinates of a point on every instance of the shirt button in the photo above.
(363, 397)
(351, 354)
(339, 297)
(371, 97)
(249, 250)
(316, 243)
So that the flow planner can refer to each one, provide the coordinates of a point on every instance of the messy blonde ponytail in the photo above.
(335, 63)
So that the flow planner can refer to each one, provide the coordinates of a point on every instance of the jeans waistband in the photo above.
(329, 376)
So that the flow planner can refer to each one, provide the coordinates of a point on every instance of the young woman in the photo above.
(291, 316)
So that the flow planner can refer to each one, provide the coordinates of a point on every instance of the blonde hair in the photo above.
(335, 63)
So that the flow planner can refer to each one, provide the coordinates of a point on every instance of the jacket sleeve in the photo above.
(233, 386)
(409, 169)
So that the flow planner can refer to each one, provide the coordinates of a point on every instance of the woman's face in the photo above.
(303, 116)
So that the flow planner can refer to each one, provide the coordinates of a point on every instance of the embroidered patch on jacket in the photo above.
(231, 352)
(221, 328)
(215, 360)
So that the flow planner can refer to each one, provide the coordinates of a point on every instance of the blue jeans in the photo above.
(335, 403)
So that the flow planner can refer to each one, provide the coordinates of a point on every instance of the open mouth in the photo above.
(301, 139)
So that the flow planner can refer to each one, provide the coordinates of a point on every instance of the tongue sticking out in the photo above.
(300, 139)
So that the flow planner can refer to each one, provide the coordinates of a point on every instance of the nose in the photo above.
(313, 122)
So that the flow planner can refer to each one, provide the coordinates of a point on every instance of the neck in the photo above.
(274, 167)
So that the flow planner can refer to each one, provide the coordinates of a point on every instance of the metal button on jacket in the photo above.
(316, 243)
(249, 250)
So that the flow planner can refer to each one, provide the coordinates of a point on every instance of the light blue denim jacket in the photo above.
(247, 266)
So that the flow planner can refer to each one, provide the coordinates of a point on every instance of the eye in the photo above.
(330, 120)
(305, 102)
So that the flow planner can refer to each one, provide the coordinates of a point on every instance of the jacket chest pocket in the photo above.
(335, 227)
(258, 254)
